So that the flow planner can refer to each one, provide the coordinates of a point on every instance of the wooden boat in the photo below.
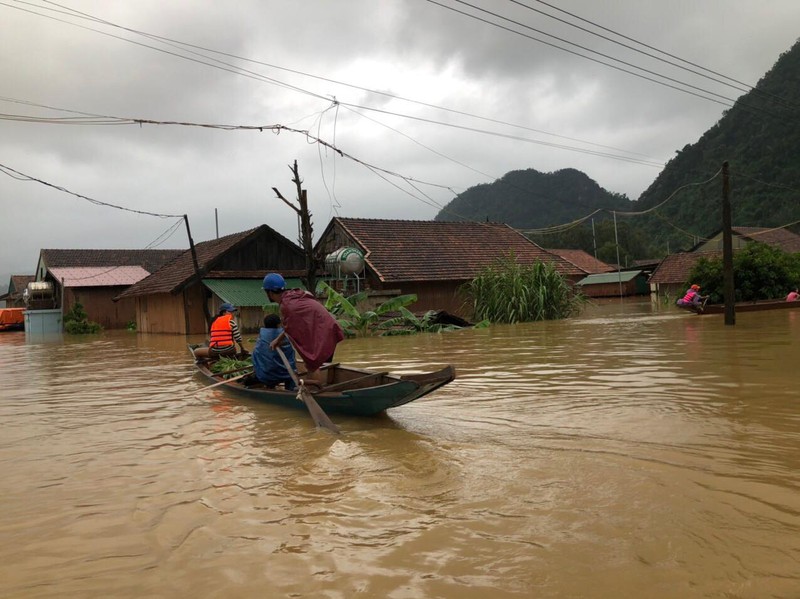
(756, 306)
(344, 389)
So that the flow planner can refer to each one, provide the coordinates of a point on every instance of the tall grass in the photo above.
(509, 292)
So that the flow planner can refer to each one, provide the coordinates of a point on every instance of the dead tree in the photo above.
(306, 230)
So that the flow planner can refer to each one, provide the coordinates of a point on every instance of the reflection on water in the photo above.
(631, 452)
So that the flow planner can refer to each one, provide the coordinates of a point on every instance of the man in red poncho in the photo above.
(312, 330)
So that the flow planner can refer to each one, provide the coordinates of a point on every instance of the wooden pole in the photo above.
(198, 277)
(727, 249)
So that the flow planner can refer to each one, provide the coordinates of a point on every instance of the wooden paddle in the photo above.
(317, 414)
(235, 378)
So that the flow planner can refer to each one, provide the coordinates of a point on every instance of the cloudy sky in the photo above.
(425, 98)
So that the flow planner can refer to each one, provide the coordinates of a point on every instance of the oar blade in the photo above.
(317, 413)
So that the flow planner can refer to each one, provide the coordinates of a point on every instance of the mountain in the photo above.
(529, 199)
(759, 137)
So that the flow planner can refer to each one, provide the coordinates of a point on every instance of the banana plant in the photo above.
(362, 324)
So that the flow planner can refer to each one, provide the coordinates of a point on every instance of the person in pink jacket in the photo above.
(692, 300)
(312, 330)
(793, 296)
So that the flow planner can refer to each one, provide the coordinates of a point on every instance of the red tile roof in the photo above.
(405, 250)
(583, 260)
(675, 267)
(780, 238)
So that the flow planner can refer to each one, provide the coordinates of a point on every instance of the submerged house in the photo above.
(614, 284)
(13, 297)
(432, 259)
(671, 277)
(94, 277)
(179, 299)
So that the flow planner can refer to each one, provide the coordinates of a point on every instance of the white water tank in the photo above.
(345, 261)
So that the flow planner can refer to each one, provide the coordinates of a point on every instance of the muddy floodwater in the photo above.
(635, 451)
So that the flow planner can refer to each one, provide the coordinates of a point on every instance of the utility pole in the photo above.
(619, 266)
(306, 230)
(594, 240)
(198, 277)
(727, 249)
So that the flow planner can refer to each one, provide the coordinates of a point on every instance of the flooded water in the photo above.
(625, 453)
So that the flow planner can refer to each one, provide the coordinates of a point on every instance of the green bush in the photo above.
(76, 321)
(511, 292)
(760, 272)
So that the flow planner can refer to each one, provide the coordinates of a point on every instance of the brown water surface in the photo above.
(630, 452)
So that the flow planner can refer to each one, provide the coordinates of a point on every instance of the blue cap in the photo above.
(227, 307)
(274, 282)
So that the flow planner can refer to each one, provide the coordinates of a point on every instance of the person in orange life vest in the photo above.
(312, 330)
(224, 335)
(692, 300)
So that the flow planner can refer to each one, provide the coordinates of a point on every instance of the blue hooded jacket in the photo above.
(267, 364)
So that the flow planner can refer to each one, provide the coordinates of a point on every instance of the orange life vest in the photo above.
(221, 333)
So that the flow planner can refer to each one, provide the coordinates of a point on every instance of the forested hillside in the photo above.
(529, 199)
(759, 137)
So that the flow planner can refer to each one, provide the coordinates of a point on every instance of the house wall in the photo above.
(161, 313)
(431, 295)
(98, 304)
(609, 289)
(263, 253)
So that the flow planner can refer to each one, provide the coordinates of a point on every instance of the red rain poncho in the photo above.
(312, 330)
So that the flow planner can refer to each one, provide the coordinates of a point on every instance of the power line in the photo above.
(23, 177)
(737, 85)
(713, 72)
(238, 70)
(730, 101)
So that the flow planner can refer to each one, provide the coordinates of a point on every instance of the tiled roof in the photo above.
(586, 262)
(18, 283)
(675, 267)
(780, 238)
(172, 277)
(99, 276)
(405, 250)
(150, 260)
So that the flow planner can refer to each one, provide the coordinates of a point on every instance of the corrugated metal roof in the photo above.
(609, 277)
(99, 276)
(244, 292)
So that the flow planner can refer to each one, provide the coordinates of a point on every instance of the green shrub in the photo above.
(760, 272)
(510, 292)
(76, 322)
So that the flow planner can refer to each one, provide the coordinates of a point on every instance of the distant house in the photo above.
(583, 260)
(670, 277)
(432, 259)
(614, 284)
(783, 239)
(93, 277)
(173, 300)
(16, 287)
